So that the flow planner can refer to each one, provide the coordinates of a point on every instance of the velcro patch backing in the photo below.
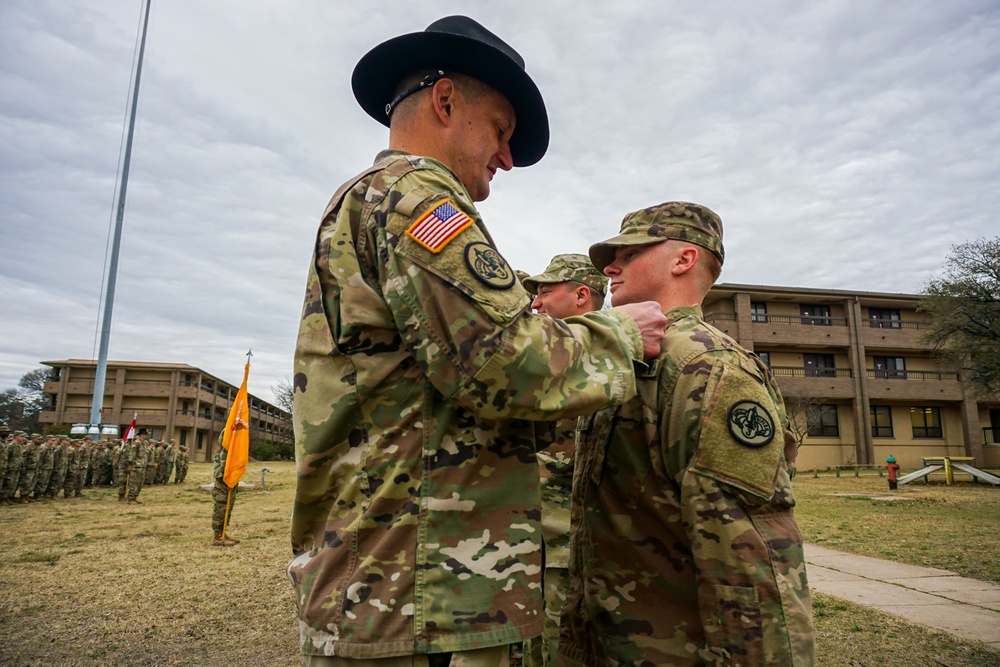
(747, 459)
(436, 228)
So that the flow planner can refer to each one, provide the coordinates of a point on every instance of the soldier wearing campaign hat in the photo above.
(418, 363)
(700, 462)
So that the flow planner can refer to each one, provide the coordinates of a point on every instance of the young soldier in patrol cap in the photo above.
(415, 527)
(569, 286)
(685, 549)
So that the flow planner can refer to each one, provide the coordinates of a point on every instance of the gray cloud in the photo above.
(846, 145)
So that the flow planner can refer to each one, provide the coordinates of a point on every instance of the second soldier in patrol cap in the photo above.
(570, 285)
(690, 553)
(418, 362)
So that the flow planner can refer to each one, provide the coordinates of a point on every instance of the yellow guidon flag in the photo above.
(236, 438)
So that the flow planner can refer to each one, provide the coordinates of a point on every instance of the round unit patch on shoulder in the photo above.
(489, 266)
(750, 424)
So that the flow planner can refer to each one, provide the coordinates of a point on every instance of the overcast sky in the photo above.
(845, 144)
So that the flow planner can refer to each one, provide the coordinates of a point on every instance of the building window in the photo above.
(819, 365)
(881, 421)
(815, 314)
(926, 422)
(184, 438)
(890, 367)
(758, 311)
(884, 318)
(822, 421)
(765, 357)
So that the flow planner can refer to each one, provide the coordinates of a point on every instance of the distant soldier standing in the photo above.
(133, 468)
(29, 467)
(12, 477)
(152, 460)
(181, 464)
(171, 459)
(46, 452)
(161, 464)
(222, 500)
(58, 467)
(72, 469)
(116, 459)
(4, 447)
(87, 470)
(85, 451)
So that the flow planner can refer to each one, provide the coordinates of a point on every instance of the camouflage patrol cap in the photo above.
(20, 433)
(569, 267)
(36, 436)
(677, 220)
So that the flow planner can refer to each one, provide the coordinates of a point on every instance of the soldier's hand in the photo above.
(651, 322)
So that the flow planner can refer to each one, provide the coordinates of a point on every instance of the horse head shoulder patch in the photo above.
(489, 266)
(750, 424)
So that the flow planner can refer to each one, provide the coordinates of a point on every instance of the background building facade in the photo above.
(170, 400)
(855, 372)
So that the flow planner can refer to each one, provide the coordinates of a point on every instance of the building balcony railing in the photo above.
(808, 320)
(884, 323)
(799, 371)
(991, 435)
(910, 375)
(720, 315)
(156, 382)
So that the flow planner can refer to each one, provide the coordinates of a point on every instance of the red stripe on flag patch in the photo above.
(438, 226)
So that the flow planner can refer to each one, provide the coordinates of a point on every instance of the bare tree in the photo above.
(284, 394)
(802, 411)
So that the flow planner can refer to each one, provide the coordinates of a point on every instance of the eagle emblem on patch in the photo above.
(750, 424)
(488, 265)
(437, 227)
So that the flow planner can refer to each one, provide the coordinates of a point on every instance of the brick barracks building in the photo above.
(854, 369)
(170, 400)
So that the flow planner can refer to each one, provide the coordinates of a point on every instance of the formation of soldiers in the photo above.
(37, 467)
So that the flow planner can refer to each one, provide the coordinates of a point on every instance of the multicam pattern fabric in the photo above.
(685, 549)
(676, 220)
(569, 267)
(555, 463)
(416, 525)
(222, 499)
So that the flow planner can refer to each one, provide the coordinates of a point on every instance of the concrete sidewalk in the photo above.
(967, 608)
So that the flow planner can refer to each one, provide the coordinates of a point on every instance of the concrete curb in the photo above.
(964, 607)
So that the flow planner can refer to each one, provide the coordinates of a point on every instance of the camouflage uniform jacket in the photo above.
(415, 527)
(685, 549)
(555, 463)
(135, 455)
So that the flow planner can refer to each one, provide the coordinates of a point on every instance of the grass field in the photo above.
(91, 581)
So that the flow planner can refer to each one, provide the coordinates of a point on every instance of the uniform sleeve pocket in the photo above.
(739, 625)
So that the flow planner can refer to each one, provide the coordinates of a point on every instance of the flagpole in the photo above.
(97, 403)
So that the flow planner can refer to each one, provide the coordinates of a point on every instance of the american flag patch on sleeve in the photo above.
(438, 226)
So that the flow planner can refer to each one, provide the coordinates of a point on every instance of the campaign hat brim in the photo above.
(380, 71)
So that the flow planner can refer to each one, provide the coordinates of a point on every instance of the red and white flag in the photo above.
(129, 432)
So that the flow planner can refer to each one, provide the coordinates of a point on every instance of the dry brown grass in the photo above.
(93, 582)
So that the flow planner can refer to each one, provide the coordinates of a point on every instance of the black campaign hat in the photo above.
(457, 44)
